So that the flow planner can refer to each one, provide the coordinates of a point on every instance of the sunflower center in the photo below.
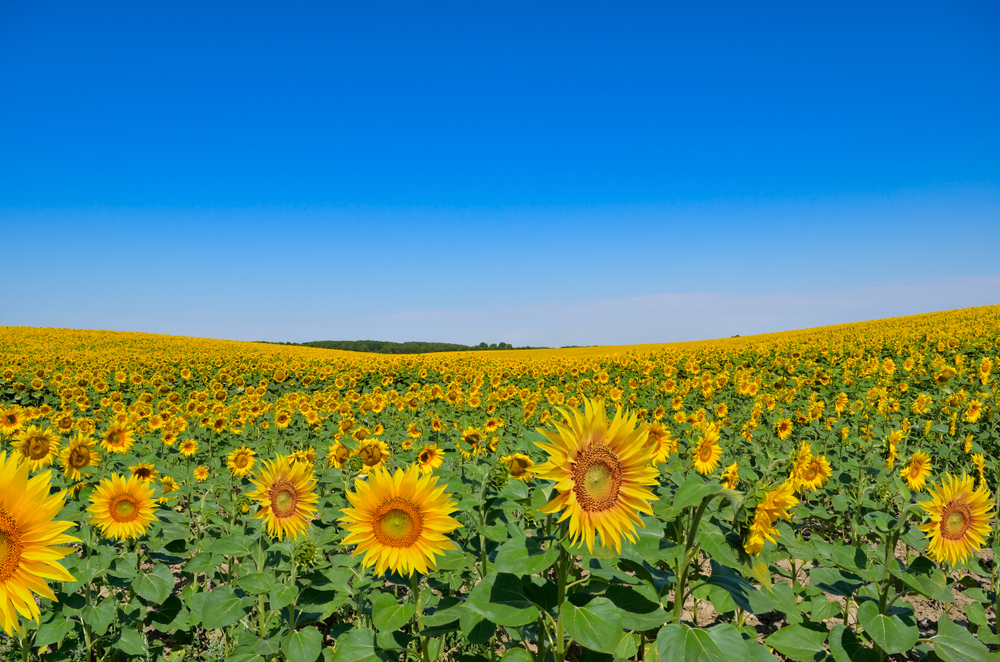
(597, 477)
(705, 452)
(810, 472)
(10, 546)
(284, 498)
(956, 518)
(517, 467)
(79, 457)
(425, 457)
(38, 448)
(241, 461)
(372, 455)
(115, 439)
(397, 523)
(124, 508)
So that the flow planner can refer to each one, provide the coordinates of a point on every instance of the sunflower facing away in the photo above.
(78, 455)
(36, 446)
(285, 491)
(123, 507)
(520, 466)
(430, 458)
(117, 439)
(29, 539)
(959, 519)
(241, 461)
(916, 472)
(399, 521)
(602, 471)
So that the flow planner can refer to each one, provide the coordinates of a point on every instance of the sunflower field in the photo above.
(826, 494)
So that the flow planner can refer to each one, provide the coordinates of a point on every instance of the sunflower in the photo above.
(707, 452)
(29, 541)
(519, 465)
(959, 519)
(118, 438)
(168, 484)
(11, 420)
(399, 521)
(338, 455)
(287, 496)
(663, 442)
(916, 472)
(777, 504)
(36, 446)
(731, 476)
(475, 439)
(974, 411)
(201, 473)
(783, 428)
(374, 453)
(413, 431)
(980, 461)
(188, 447)
(241, 461)
(430, 458)
(307, 456)
(145, 471)
(78, 455)
(122, 507)
(602, 473)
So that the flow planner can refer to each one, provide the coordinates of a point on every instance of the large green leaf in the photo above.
(953, 643)
(638, 612)
(53, 631)
(524, 556)
(499, 598)
(721, 643)
(222, 607)
(694, 489)
(388, 614)
(359, 646)
(797, 642)
(845, 646)
(517, 655)
(737, 587)
(256, 583)
(597, 625)
(889, 632)
(156, 585)
(303, 645)
(235, 545)
(130, 642)
(169, 616)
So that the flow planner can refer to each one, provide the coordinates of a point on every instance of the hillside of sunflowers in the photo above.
(825, 494)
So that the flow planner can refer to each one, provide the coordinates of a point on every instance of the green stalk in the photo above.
(682, 571)
(418, 617)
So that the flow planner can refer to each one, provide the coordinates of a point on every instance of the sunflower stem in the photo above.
(417, 617)
(687, 558)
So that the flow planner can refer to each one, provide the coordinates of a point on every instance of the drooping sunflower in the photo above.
(29, 541)
(373, 453)
(916, 472)
(122, 507)
(338, 455)
(959, 518)
(80, 454)
(777, 504)
(287, 496)
(520, 466)
(188, 447)
(36, 446)
(430, 458)
(731, 476)
(399, 521)
(602, 471)
(707, 452)
(241, 461)
(118, 438)
(145, 471)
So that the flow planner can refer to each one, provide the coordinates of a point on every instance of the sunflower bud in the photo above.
(307, 554)
(499, 474)
(355, 464)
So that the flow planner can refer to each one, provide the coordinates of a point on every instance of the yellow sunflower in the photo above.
(122, 507)
(168, 484)
(338, 455)
(783, 428)
(813, 473)
(916, 472)
(959, 519)
(399, 521)
(201, 473)
(145, 471)
(287, 497)
(731, 476)
(188, 447)
(374, 453)
(241, 461)
(11, 420)
(118, 438)
(78, 455)
(707, 452)
(36, 446)
(663, 442)
(307, 456)
(777, 504)
(29, 541)
(519, 465)
(430, 458)
(602, 473)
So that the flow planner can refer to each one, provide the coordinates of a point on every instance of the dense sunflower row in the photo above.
(210, 477)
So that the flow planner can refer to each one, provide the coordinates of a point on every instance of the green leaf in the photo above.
(302, 646)
(359, 646)
(476, 629)
(256, 583)
(758, 653)
(721, 643)
(100, 616)
(155, 586)
(597, 625)
(953, 643)
(500, 599)
(845, 647)
(129, 642)
(170, 616)
(737, 587)
(835, 581)
(222, 607)
(53, 631)
(797, 642)
(281, 596)
(244, 654)
(694, 489)
(388, 614)
(889, 632)
(638, 612)
(517, 655)
(454, 559)
(236, 545)
(524, 556)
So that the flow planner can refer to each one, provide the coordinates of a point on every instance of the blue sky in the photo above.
(546, 174)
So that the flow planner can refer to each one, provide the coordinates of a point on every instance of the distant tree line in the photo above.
(411, 347)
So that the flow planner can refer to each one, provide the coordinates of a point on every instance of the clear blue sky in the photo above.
(530, 173)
